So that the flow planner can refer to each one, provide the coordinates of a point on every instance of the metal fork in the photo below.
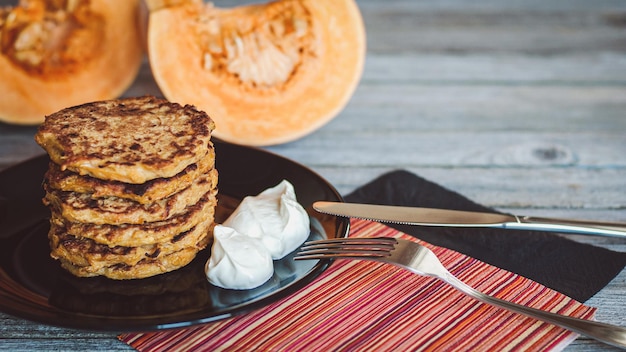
(422, 261)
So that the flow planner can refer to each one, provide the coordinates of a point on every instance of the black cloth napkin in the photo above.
(572, 268)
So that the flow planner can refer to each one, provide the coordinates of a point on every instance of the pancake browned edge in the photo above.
(135, 235)
(82, 207)
(92, 257)
(131, 140)
(147, 267)
(132, 186)
(144, 193)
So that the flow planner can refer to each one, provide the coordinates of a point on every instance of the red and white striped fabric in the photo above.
(368, 306)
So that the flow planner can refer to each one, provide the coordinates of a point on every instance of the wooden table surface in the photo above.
(518, 105)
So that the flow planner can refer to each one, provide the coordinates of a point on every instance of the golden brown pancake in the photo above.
(132, 186)
(144, 193)
(145, 268)
(89, 255)
(134, 235)
(82, 207)
(131, 140)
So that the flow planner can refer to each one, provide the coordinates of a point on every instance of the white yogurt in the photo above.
(267, 226)
(275, 217)
(237, 261)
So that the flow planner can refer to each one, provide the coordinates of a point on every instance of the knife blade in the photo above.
(456, 218)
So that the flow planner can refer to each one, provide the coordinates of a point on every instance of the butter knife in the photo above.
(457, 218)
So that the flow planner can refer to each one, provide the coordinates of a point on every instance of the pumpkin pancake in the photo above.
(145, 268)
(144, 193)
(131, 140)
(84, 252)
(134, 235)
(82, 207)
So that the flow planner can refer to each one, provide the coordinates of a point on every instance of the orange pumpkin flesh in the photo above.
(266, 73)
(60, 53)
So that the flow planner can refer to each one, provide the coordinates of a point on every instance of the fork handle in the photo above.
(610, 334)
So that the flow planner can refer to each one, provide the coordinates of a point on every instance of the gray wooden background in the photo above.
(519, 105)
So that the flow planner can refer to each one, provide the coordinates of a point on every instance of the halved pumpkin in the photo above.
(266, 73)
(60, 53)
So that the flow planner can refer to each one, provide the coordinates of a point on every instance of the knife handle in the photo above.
(612, 229)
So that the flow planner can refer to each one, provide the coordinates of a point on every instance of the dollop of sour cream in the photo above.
(271, 223)
(275, 217)
(237, 261)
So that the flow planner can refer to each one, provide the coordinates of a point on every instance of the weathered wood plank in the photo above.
(16, 148)
(432, 107)
(572, 70)
(460, 148)
(533, 6)
(58, 345)
(30, 336)
(28, 329)
(549, 188)
(487, 26)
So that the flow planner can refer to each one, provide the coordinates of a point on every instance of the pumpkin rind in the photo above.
(98, 60)
(268, 73)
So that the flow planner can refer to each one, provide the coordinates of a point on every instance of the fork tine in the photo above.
(354, 240)
(361, 248)
(340, 252)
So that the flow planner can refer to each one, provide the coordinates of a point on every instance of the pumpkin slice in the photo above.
(266, 73)
(60, 53)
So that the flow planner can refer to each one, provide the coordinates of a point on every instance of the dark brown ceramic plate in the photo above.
(33, 286)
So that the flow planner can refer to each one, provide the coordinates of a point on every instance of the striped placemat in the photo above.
(368, 306)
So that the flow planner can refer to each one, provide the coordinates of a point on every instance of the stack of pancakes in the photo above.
(131, 186)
